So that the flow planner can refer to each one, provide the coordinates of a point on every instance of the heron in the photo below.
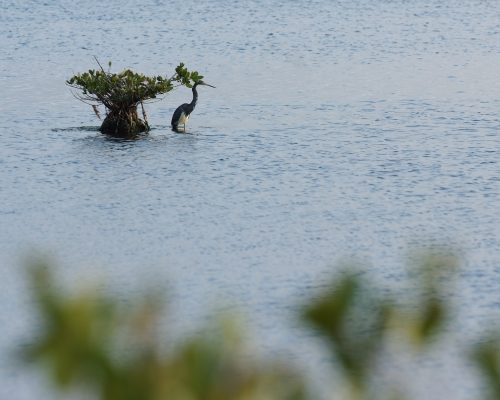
(182, 113)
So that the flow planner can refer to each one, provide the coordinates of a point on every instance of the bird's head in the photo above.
(201, 83)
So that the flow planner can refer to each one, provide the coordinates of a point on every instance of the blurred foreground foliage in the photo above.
(87, 340)
(113, 351)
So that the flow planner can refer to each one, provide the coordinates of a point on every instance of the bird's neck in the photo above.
(195, 95)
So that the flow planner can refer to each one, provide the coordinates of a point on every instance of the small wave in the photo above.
(77, 128)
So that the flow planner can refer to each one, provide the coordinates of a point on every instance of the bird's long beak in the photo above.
(206, 84)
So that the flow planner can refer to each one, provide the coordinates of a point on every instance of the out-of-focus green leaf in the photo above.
(353, 322)
(486, 356)
(75, 332)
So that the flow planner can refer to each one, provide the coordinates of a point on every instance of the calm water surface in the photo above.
(337, 129)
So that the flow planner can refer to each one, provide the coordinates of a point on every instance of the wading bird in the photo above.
(181, 115)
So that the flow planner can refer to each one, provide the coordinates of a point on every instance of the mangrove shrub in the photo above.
(121, 94)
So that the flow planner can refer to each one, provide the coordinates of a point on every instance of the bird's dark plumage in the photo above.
(178, 117)
(182, 113)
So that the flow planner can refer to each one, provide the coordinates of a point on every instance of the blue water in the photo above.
(337, 130)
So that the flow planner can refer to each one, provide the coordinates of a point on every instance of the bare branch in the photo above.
(98, 63)
(96, 111)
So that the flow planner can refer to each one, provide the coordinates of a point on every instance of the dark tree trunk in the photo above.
(123, 124)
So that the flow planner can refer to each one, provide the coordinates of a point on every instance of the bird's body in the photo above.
(182, 113)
